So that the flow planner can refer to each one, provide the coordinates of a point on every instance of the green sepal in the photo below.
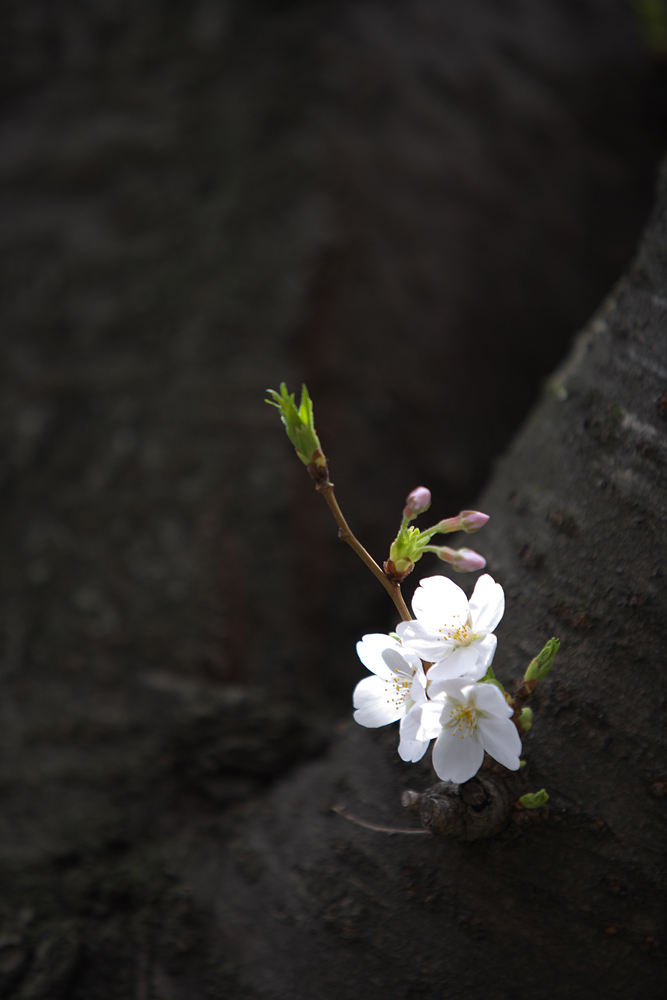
(490, 678)
(405, 551)
(534, 800)
(299, 423)
(543, 662)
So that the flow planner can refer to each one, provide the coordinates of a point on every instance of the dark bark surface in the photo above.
(569, 904)
(411, 206)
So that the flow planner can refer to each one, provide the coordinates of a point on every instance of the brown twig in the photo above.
(344, 532)
(374, 826)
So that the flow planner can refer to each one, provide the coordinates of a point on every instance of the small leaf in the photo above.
(534, 800)
(299, 424)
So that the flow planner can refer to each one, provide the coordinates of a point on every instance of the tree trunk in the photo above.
(411, 205)
(565, 904)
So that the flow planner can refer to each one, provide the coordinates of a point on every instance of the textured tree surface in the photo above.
(411, 206)
(565, 904)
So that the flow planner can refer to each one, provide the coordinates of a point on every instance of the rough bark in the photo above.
(199, 202)
(565, 904)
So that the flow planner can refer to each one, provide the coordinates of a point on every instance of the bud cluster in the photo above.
(410, 543)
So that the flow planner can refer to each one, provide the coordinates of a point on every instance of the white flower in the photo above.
(399, 683)
(468, 718)
(450, 632)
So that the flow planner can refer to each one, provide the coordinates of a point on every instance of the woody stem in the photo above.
(344, 532)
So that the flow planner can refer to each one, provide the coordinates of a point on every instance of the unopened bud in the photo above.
(300, 427)
(472, 520)
(543, 662)
(534, 800)
(466, 520)
(462, 560)
(417, 502)
(526, 718)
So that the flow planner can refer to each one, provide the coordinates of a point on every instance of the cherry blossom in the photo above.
(452, 633)
(398, 684)
(467, 719)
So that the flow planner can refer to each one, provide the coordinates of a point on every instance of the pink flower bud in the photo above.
(463, 560)
(468, 561)
(417, 502)
(472, 520)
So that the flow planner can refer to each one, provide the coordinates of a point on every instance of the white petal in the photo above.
(490, 701)
(486, 650)
(450, 687)
(412, 750)
(424, 643)
(370, 651)
(457, 758)
(418, 689)
(375, 704)
(464, 660)
(438, 602)
(412, 630)
(411, 722)
(500, 739)
(412, 658)
(398, 664)
(487, 604)
(422, 721)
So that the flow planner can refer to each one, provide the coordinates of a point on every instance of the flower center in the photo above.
(463, 719)
(401, 686)
(463, 634)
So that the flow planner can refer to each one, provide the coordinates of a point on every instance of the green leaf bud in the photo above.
(299, 424)
(526, 718)
(534, 800)
(543, 662)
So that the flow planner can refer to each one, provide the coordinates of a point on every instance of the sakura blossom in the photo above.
(469, 718)
(452, 633)
(398, 684)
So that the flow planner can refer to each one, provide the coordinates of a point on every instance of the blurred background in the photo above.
(410, 206)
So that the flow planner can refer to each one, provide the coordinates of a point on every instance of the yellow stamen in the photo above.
(463, 718)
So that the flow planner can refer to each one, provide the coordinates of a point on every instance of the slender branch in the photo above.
(344, 532)
(374, 826)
